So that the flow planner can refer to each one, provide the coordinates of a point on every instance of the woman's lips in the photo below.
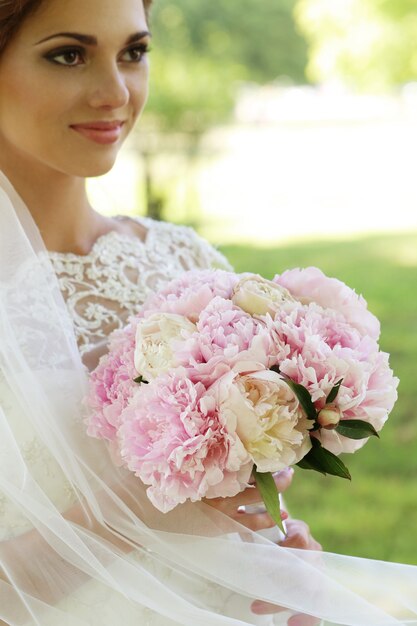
(100, 132)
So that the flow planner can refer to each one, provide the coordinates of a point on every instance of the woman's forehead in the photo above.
(105, 16)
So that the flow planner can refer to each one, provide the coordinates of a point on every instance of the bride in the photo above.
(79, 542)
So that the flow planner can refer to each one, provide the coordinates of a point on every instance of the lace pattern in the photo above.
(111, 283)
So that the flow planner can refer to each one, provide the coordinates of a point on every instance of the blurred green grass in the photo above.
(376, 514)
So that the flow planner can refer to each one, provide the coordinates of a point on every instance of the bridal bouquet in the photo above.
(225, 376)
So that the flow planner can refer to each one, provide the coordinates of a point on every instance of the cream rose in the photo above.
(270, 421)
(258, 296)
(154, 337)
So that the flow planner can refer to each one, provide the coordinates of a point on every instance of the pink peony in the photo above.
(372, 402)
(112, 385)
(224, 328)
(224, 333)
(311, 285)
(324, 349)
(191, 293)
(175, 440)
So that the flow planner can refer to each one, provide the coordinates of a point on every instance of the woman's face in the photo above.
(51, 83)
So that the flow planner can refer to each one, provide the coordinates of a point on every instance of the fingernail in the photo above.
(302, 620)
(286, 471)
(257, 607)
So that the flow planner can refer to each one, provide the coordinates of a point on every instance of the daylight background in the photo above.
(285, 132)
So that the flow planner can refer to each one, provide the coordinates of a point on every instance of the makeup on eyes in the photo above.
(63, 51)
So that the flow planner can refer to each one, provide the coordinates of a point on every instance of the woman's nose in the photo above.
(109, 88)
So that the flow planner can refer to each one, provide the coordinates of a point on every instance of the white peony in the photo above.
(154, 342)
(259, 296)
(270, 421)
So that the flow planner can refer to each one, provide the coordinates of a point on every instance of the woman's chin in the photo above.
(92, 170)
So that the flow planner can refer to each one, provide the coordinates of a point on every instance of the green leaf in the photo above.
(356, 429)
(323, 461)
(140, 380)
(304, 397)
(269, 492)
(307, 464)
(333, 394)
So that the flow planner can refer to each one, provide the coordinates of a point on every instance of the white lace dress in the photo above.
(101, 290)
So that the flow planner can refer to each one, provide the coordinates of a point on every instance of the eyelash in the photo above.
(62, 52)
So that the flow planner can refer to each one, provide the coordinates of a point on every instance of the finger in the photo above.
(252, 495)
(303, 620)
(315, 545)
(295, 524)
(259, 507)
(299, 539)
(284, 515)
(283, 479)
(298, 536)
(255, 521)
(265, 608)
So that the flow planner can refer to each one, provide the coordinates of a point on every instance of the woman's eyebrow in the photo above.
(89, 40)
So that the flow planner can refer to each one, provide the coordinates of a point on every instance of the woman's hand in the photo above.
(298, 536)
(233, 507)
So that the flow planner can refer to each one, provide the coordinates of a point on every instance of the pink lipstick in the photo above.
(101, 132)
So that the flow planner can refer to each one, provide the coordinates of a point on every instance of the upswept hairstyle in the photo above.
(14, 12)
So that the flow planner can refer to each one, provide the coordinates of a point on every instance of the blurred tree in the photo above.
(188, 95)
(258, 38)
(370, 44)
(202, 51)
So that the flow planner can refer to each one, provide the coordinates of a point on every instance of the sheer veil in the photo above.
(79, 542)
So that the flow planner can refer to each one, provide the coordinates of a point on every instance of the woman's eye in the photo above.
(72, 57)
(136, 53)
(68, 58)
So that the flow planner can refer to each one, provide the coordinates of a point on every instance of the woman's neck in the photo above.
(59, 205)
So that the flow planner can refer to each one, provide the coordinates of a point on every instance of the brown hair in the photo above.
(14, 12)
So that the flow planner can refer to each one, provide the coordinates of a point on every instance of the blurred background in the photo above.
(285, 132)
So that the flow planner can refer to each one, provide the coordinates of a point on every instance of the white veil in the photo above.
(79, 542)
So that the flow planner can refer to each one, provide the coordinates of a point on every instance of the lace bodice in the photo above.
(111, 283)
